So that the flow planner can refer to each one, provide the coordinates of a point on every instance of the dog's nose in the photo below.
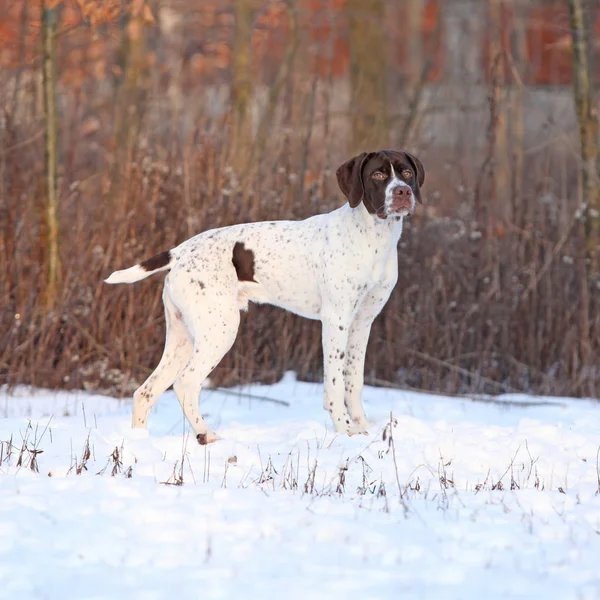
(403, 192)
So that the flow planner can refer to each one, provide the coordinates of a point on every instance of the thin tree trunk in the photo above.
(310, 115)
(130, 101)
(242, 80)
(500, 206)
(409, 129)
(588, 131)
(590, 190)
(53, 268)
(368, 50)
(277, 88)
(462, 76)
(414, 28)
(22, 58)
(519, 53)
(421, 62)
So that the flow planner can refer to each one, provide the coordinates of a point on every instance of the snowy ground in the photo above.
(466, 499)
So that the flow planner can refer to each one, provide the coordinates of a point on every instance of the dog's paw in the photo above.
(207, 437)
(345, 425)
(362, 423)
(356, 430)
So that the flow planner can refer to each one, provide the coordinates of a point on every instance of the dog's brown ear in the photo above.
(350, 180)
(417, 165)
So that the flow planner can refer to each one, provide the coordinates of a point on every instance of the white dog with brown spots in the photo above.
(339, 268)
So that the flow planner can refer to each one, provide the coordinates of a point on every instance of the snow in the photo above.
(282, 506)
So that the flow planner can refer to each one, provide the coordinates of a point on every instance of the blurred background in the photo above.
(128, 126)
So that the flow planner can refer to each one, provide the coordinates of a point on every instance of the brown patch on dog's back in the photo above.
(157, 261)
(243, 261)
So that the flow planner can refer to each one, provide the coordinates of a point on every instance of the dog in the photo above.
(339, 268)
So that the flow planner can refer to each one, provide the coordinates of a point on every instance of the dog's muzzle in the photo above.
(401, 198)
(400, 201)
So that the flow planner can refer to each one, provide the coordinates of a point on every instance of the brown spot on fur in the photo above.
(243, 261)
(157, 261)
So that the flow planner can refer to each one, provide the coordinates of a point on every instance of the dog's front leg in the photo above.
(358, 338)
(354, 370)
(335, 340)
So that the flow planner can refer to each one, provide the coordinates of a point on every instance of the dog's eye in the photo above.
(379, 175)
(407, 173)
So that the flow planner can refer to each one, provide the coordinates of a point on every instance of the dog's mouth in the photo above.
(395, 210)
(399, 208)
(399, 203)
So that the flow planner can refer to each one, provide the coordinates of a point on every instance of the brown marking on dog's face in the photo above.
(243, 261)
(355, 176)
(157, 261)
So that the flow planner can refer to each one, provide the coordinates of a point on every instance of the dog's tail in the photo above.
(160, 262)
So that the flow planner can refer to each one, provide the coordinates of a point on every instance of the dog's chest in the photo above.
(361, 256)
(383, 268)
(377, 265)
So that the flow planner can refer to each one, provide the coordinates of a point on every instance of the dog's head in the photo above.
(387, 182)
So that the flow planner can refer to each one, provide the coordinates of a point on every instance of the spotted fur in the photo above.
(339, 268)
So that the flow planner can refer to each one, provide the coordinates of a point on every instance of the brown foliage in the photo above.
(470, 306)
(491, 306)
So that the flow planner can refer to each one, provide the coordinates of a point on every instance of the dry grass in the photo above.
(479, 306)
(472, 311)
(300, 472)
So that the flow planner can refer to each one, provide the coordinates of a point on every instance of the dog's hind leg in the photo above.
(177, 351)
(213, 324)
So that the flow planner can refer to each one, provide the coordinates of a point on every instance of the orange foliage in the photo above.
(503, 72)
(327, 25)
(270, 36)
(548, 45)
(83, 54)
(19, 33)
(549, 61)
(431, 38)
(96, 12)
(323, 30)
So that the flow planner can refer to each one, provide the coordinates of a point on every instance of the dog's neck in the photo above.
(389, 229)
